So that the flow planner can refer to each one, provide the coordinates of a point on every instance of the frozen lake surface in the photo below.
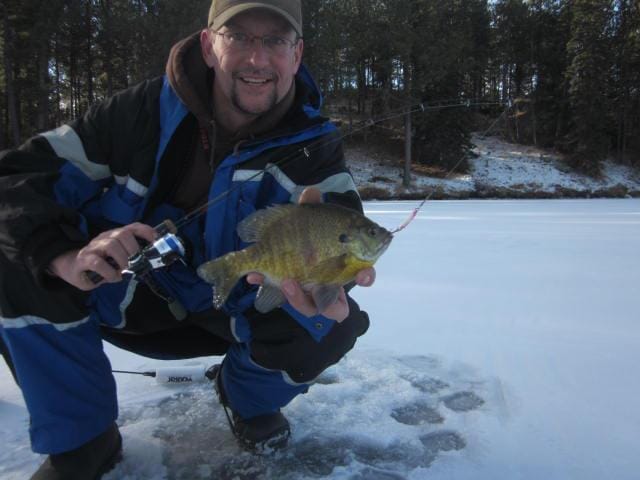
(505, 342)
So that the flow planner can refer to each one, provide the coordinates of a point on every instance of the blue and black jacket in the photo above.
(116, 165)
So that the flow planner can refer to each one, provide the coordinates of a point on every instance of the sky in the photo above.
(504, 343)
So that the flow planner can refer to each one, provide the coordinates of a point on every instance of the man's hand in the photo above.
(118, 244)
(303, 301)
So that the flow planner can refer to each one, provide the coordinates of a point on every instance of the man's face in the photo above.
(253, 79)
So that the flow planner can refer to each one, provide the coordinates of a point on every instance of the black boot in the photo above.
(259, 434)
(87, 462)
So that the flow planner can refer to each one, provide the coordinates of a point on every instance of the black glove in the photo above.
(281, 343)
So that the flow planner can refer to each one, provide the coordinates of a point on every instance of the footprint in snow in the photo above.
(332, 432)
(463, 401)
(417, 414)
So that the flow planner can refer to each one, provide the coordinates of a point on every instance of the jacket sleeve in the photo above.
(35, 226)
(47, 182)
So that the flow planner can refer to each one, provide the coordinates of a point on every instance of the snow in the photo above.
(504, 343)
(498, 169)
(500, 164)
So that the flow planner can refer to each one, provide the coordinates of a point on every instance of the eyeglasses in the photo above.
(237, 41)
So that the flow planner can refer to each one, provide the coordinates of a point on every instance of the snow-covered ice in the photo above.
(504, 343)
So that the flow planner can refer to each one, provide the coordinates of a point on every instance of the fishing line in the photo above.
(305, 152)
(168, 247)
(415, 211)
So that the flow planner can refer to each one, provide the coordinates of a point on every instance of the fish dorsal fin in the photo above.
(268, 298)
(250, 229)
(325, 295)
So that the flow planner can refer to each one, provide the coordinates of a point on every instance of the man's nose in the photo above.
(258, 54)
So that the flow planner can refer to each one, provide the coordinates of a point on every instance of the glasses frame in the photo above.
(253, 38)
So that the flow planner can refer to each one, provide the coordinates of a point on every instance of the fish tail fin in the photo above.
(222, 275)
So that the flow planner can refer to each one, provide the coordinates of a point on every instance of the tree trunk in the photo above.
(42, 119)
(534, 122)
(406, 179)
(12, 99)
(58, 97)
(2, 124)
(108, 46)
(361, 82)
(73, 107)
(89, 32)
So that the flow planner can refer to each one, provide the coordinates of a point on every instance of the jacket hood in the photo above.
(190, 77)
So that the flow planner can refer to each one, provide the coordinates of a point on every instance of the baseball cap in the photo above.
(222, 11)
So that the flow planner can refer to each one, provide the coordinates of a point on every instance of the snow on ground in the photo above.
(500, 164)
(499, 169)
(504, 344)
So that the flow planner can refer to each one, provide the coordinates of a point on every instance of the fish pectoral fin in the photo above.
(325, 295)
(268, 298)
(250, 229)
(327, 270)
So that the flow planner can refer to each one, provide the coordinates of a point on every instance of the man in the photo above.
(82, 198)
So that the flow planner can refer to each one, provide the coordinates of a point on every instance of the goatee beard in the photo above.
(270, 102)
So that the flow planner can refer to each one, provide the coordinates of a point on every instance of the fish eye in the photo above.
(343, 238)
(373, 231)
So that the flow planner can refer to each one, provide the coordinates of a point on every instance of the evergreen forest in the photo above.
(559, 74)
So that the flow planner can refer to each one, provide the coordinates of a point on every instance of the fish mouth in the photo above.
(383, 246)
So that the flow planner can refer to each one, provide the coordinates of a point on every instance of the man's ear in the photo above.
(206, 45)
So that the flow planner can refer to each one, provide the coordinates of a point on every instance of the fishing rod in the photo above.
(176, 374)
(305, 152)
(168, 248)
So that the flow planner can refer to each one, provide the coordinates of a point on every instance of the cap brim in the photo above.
(231, 12)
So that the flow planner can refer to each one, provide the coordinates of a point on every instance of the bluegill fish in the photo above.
(316, 244)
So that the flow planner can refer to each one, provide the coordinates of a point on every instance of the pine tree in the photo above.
(550, 34)
(590, 63)
(441, 63)
(624, 118)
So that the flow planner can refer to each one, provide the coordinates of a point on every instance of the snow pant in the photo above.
(54, 344)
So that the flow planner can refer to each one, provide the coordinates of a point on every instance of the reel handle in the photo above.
(167, 226)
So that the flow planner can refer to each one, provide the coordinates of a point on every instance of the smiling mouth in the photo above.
(254, 81)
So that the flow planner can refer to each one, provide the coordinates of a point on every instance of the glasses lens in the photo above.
(271, 43)
(275, 44)
(237, 40)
